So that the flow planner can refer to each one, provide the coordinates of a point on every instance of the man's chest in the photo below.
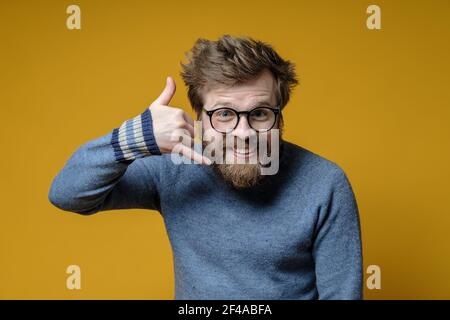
(268, 235)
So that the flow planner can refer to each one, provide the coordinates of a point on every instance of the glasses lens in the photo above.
(224, 120)
(262, 119)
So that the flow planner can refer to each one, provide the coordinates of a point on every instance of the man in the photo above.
(236, 233)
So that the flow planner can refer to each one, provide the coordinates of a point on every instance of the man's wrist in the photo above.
(134, 138)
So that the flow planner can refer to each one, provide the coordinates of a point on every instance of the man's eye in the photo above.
(224, 114)
(259, 114)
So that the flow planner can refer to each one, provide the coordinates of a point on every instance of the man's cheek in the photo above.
(213, 146)
(269, 152)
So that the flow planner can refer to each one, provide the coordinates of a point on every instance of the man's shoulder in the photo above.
(311, 164)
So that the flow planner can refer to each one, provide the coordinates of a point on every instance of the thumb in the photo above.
(168, 92)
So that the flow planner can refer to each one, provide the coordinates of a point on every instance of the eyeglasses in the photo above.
(260, 119)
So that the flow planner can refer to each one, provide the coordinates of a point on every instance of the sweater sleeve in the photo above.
(107, 173)
(337, 248)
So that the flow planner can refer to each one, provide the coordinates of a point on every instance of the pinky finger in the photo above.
(191, 154)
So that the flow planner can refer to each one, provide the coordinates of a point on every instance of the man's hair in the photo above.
(233, 60)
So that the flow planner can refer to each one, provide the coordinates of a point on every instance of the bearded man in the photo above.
(242, 224)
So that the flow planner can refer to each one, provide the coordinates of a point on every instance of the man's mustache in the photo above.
(216, 148)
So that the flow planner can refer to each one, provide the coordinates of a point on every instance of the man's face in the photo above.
(243, 97)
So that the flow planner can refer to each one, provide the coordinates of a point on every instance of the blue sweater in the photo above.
(295, 236)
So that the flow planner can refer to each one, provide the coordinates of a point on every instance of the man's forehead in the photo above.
(255, 91)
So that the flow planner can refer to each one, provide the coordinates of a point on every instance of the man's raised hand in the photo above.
(170, 122)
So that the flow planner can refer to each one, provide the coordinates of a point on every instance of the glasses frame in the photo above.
(275, 110)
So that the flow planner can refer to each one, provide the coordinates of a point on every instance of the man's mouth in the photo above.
(244, 153)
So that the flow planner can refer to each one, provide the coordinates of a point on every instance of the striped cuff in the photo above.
(134, 138)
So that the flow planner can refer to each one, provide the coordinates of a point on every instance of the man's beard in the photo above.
(242, 176)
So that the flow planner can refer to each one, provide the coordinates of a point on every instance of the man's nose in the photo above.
(243, 130)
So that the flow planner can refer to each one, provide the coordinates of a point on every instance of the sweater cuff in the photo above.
(134, 138)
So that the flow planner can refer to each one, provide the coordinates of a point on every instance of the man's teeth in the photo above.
(242, 151)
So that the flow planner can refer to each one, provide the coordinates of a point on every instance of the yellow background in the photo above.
(376, 102)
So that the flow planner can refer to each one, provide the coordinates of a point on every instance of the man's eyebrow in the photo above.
(224, 104)
(263, 104)
(230, 105)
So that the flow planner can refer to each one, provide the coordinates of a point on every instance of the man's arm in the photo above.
(106, 173)
(337, 248)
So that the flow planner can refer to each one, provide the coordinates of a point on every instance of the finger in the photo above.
(182, 135)
(188, 141)
(191, 154)
(189, 128)
(167, 94)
